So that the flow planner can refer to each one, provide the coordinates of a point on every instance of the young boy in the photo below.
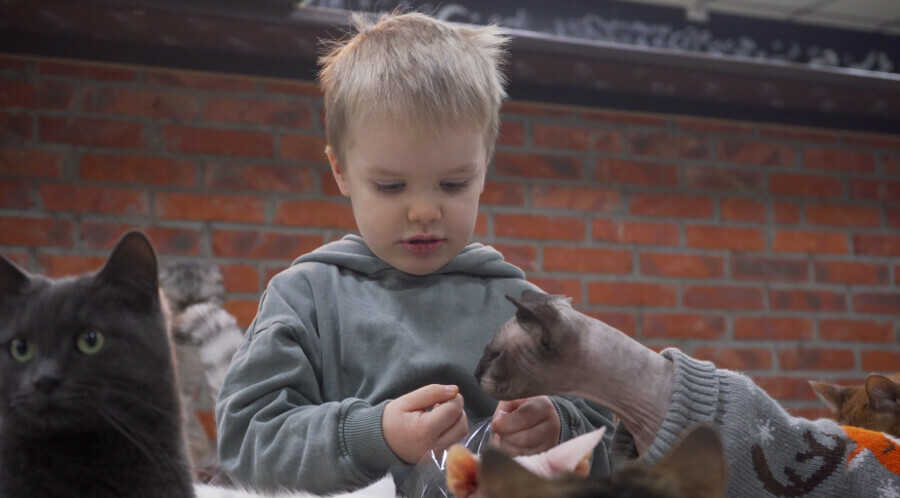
(361, 357)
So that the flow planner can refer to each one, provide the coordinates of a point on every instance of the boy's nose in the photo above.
(424, 211)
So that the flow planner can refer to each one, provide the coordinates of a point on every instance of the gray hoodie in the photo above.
(338, 335)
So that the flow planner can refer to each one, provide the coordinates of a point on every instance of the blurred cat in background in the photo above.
(873, 405)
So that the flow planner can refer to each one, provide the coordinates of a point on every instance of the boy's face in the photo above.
(414, 194)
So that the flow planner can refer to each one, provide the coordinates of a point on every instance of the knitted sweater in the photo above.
(770, 452)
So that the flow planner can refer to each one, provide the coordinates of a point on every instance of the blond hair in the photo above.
(414, 70)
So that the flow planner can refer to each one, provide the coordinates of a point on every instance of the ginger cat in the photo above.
(873, 405)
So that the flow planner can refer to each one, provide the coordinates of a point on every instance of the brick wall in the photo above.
(769, 249)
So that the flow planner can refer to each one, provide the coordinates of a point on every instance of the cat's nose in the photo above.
(46, 383)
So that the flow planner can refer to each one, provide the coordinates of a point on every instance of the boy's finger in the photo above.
(454, 433)
(527, 415)
(445, 415)
(508, 406)
(428, 396)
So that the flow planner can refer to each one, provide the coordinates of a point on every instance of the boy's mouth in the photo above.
(423, 244)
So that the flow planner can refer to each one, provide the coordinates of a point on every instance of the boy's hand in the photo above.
(429, 418)
(525, 426)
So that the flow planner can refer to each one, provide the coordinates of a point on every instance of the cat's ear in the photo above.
(697, 462)
(537, 308)
(882, 392)
(500, 476)
(833, 395)
(13, 280)
(132, 264)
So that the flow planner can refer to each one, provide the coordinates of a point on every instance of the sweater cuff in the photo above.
(566, 432)
(695, 394)
(363, 440)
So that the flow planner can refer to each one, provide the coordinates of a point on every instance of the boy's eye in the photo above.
(388, 187)
(453, 186)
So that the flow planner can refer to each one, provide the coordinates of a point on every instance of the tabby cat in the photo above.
(873, 405)
(89, 405)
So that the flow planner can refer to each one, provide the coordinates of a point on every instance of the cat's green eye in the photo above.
(90, 341)
(21, 350)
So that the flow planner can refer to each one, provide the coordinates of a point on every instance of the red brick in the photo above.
(308, 89)
(186, 79)
(259, 177)
(195, 140)
(106, 200)
(568, 287)
(756, 153)
(666, 145)
(209, 207)
(82, 70)
(523, 256)
(35, 232)
(243, 310)
(729, 180)
(855, 330)
(681, 265)
(631, 294)
(16, 128)
(802, 358)
(481, 225)
(786, 214)
(672, 205)
(15, 194)
(622, 321)
(877, 302)
(842, 215)
(798, 134)
(260, 112)
(92, 132)
(20, 258)
(62, 265)
(13, 64)
(252, 244)
(635, 232)
(137, 169)
(742, 210)
(309, 148)
(587, 260)
(682, 326)
(800, 185)
(884, 141)
(891, 164)
(534, 109)
(724, 238)
(876, 245)
(742, 358)
(539, 227)
(560, 137)
(170, 240)
(715, 126)
(809, 241)
(722, 297)
(316, 214)
(56, 95)
(786, 388)
(769, 269)
(806, 300)
(104, 235)
(635, 172)
(240, 278)
(496, 193)
(809, 413)
(628, 118)
(608, 141)
(30, 162)
(876, 190)
(879, 361)
(538, 166)
(588, 199)
(839, 160)
(772, 328)
(852, 273)
(141, 103)
(511, 133)
(18, 94)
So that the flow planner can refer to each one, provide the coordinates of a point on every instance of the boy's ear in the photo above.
(338, 171)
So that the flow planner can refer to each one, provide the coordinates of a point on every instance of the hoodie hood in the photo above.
(352, 253)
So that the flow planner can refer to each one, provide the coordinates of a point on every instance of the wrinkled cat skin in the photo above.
(550, 348)
(874, 405)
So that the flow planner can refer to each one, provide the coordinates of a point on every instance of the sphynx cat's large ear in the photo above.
(132, 265)
(697, 462)
(13, 280)
(882, 392)
(833, 395)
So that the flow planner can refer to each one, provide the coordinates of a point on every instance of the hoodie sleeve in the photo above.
(275, 430)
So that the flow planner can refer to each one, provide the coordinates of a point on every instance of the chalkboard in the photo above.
(662, 27)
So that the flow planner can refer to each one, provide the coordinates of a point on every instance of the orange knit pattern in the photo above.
(883, 447)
